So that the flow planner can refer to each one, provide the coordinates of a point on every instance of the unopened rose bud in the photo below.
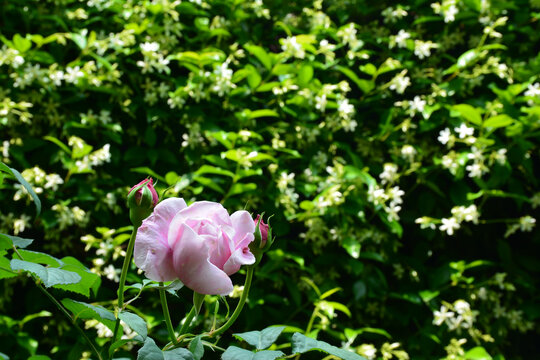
(142, 198)
(263, 238)
(263, 228)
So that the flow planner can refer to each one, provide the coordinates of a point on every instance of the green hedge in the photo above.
(395, 144)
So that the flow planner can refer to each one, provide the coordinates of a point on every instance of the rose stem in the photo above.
(243, 298)
(123, 275)
(166, 315)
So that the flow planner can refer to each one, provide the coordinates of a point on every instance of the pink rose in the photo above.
(201, 244)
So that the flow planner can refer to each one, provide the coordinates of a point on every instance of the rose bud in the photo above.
(263, 228)
(142, 198)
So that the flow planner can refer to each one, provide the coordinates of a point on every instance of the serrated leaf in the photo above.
(4, 274)
(28, 188)
(196, 347)
(178, 354)
(40, 258)
(119, 343)
(236, 353)
(19, 242)
(302, 344)
(135, 322)
(48, 276)
(89, 280)
(150, 351)
(261, 339)
(84, 310)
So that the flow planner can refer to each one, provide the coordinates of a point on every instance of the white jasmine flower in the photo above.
(449, 225)
(526, 223)
(442, 315)
(464, 131)
(445, 136)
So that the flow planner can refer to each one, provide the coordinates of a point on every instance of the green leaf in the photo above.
(4, 356)
(178, 354)
(147, 171)
(79, 39)
(5, 242)
(89, 280)
(79, 152)
(49, 276)
(254, 78)
(240, 188)
(261, 55)
(236, 353)
(196, 347)
(40, 258)
(150, 351)
(60, 144)
(302, 344)
(262, 113)
(261, 339)
(365, 85)
(369, 69)
(209, 183)
(21, 44)
(305, 74)
(28, 188)
(477, 353)
(135, 322)
(498, 121)
(4, 264)
(39, 357)
(84, 310)
(468, 112)
(208, 169)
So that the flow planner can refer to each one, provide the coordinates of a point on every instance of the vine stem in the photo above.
(123, 276)
(166, 314)
(62, 310)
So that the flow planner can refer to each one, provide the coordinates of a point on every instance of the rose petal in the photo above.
(204, 210)
(242, 256)
(242, 223)
(152, 253)
(192, 265)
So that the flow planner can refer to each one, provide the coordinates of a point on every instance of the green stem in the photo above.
(123, 276)
(166, 315)
(64, 311)
(189, 317)
(238, 310)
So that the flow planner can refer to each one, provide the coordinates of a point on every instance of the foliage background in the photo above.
(395, 144)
